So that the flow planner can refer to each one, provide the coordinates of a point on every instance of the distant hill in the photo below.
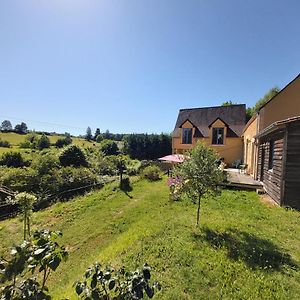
(15, 139)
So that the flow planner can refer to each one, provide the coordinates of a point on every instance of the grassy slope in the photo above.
(217, 261)
(15, 139)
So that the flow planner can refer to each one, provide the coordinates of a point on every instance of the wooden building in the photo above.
(279, 161)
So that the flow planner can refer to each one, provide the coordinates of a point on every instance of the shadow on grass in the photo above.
(256, 252)
(126, 189)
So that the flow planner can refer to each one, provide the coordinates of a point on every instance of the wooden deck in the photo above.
(236, 179)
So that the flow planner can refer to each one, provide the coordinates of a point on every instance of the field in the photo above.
(243, 249)
(15, 139)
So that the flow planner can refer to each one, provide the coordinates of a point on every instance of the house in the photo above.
(272, 145)
(218, 127)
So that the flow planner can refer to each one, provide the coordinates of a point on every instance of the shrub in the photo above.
(39, 256)
(152, 173)
(25, 145)
(20, 179)
(63, 142)
(72, 178)
(99, 138)
(73, 155)
(12, 159)
(106, 283)
(109, 147)
(4, 144)
(43, 142)
(44, 164)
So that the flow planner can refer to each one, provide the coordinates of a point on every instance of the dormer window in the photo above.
(187, 135)
(218, 136)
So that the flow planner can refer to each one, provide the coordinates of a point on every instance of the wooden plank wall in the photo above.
(272, 178)
(292, 168)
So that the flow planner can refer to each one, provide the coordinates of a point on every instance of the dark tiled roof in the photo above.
(233, 115)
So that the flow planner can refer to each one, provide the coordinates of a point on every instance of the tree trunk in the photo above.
(198, 211)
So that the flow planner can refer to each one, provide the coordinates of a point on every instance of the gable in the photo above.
(233, 115)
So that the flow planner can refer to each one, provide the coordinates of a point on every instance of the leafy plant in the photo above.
(26, 202)
(40, 255)
(200, 173)
(106, 283)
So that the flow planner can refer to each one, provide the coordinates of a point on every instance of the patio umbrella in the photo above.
(177, 158)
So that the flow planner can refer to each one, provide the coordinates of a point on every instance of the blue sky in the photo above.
(130, 65)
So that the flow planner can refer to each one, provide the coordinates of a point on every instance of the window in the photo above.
(187, 135)
(271, 155)
(218, 136)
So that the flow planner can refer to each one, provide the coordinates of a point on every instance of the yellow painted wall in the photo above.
(231, 150)
(285, 105)
(250, 148)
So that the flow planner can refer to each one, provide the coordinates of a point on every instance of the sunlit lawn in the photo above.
(243, 249)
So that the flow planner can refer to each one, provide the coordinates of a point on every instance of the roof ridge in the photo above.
(207, 107)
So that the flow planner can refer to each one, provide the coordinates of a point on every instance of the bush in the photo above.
(25, 145)
(4, 144)
(106, 283)
(43, 142)
(73, 156)
(60, 143)
(109, 147)
(152, 173)
(72, 178)
(20, 179)
(44, 164)
(12, 159)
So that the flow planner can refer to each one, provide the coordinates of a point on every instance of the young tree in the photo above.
(200, 174)
(26, 202)
(88, 135)
(6, 125)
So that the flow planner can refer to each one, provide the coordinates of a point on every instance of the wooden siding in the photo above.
(292, 168)
(272, 179)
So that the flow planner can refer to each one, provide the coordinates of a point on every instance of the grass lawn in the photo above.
(243, 249)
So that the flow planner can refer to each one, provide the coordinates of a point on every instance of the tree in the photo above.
(6, 125)
(26, 202)
(43, 142)
(97, 133)
(21, 128)
(269, 95)
(227, 103)
(200, 174)
(88, 135)
(73, 155)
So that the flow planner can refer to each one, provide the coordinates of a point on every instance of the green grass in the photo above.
(243, 249)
